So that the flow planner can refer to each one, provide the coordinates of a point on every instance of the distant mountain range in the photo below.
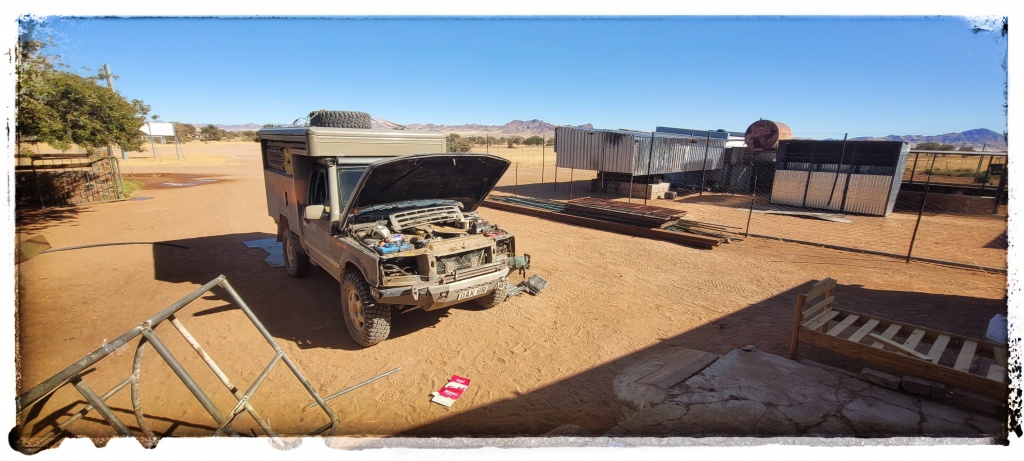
(977, 138)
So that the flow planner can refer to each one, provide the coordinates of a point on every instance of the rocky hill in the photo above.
(977, 138)
(513, 128)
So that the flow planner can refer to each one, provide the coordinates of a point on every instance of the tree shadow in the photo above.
(34, 220)
(588, 399)
(306, 310)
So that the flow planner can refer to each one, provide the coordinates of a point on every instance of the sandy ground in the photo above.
(536, 363)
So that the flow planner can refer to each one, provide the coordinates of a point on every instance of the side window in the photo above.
(347, 179)
(318, 188)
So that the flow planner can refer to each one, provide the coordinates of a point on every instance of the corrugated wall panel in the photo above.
(818, 191)
(868, 194)
(788, 188)
(628, 152)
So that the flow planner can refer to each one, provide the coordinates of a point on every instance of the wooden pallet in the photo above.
(958, 361)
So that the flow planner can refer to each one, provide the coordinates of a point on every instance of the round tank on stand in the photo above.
(766, 134)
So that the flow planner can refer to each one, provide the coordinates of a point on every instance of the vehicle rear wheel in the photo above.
(296, 261)
(340, 119)
(368, 322)
(498, 296)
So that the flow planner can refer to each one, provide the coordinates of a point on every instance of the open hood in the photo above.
(466, 178)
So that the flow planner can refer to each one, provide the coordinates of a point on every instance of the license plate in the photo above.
(471, 292)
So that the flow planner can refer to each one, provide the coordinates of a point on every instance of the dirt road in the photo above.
(536, 363)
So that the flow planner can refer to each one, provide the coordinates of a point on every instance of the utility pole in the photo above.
(109, 77)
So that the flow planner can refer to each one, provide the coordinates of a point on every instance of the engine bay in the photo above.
(437, 241)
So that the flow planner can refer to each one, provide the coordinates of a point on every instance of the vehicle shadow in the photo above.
(589, 399)
(306, 310)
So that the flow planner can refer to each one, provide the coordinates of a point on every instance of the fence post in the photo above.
(920, 211)
(750, 213)
(704, 166)
(835, 181)
(543, 147)
(571, 171)
(914, 169)
(650, 156)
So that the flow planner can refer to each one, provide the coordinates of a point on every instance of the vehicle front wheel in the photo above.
(368, 322)
(296, 261)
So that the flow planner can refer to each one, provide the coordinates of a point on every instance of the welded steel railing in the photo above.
(74, 375)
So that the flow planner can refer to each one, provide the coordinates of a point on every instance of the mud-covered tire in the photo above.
(340, 119)
(368, 322)
(498, 296)
(296, 261)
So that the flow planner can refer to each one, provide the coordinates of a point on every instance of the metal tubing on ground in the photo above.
(270, 339)
(55, 381)
(183, 375)
(920, 211)
(101, 407)
(44, 440)
(225, 380)
(357, 386)
(243, 402)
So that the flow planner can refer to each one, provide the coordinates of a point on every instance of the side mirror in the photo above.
(314, 212)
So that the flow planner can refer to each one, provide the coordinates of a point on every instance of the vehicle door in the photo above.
(321, 246)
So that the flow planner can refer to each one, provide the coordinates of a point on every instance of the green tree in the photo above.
(63, 108)
(212, 133)
(533, 141)
(184, 131)
(930, 145)
(966, 149)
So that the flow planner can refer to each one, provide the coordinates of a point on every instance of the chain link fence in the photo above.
(945, 207)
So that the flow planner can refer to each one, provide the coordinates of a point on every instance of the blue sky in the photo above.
(823, 76)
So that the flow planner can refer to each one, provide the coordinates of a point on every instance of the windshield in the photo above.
(348, 176)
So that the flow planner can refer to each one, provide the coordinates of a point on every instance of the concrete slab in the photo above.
(752, 393)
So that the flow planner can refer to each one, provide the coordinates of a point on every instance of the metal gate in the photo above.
(67, 179)
(74, 373)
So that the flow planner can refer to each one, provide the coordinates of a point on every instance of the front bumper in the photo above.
(439, 296)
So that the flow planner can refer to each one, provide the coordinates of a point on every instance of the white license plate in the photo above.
(471, 292)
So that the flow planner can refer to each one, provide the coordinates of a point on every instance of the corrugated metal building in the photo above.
(852, 176)
(631, 152)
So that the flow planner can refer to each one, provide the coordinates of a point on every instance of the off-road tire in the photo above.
(368, 322)
(296, 261)
(340, 119)
(498, 296)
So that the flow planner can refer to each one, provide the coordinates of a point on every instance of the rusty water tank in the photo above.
(766, 134)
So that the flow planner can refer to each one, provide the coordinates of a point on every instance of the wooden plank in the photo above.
(820, 320)
(1000, 355)
(825, 302)
(935, 353)
(843, 325)
(864, 330)
(696, 241)
(824, 285)
(888, 334)
(906, 365)
(996, 373)
(798, 318)
(899, 347)
(982, 344)
(680, 368)
(914, 338)
(963, 361)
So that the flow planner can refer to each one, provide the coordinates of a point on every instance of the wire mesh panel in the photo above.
(867, 200)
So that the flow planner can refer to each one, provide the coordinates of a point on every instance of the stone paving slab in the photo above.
(757, 394)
